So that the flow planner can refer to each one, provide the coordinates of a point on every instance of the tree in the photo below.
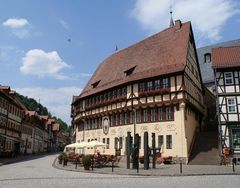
(33, 105)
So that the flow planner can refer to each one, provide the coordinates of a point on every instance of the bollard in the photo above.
(92, 164)
(112, 165)
(181, 166)
(233, 165)
(76, 164)
(138, 168)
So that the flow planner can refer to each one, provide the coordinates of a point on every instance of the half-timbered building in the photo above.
(226, 64)
(154, 85)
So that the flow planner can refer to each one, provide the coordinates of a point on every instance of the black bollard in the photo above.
(146, 151)
(233, 164)
(76, 164)
(128, 149)
(112, 165)
(154, 151)
(181, 166)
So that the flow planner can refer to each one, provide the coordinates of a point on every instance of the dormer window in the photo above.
(129, 71)
(207, 58)
(95, 84)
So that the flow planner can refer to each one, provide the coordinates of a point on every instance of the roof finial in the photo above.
(171, 20)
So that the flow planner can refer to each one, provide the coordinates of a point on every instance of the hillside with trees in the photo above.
(33, 105)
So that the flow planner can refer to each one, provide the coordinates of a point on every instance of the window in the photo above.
(129, 71)
(207, 58)
(116, 119)
(236, 138)
(165, 83)
(145, 114)
(142, 87)
(130, 117)
(108, 143)
(160, 141)
(231, 105)
(157, 84)
(124, 91)
(109, 95)
(120, 142)
(168, 113)
(138, 116)
(95, 84)
(152, 114)
(125, 118)
(120, 119)
(149, 86)
(160, 112)
(228, 78)
(169, 141)
(119, 92)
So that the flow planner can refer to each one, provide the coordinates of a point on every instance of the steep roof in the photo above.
(226, 57)
(160, 54)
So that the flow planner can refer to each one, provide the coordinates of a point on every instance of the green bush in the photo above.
(86, 160)
(62, 156)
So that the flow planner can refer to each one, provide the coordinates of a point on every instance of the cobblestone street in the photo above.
(39, 173)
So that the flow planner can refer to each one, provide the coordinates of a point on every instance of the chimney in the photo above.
(178, 24)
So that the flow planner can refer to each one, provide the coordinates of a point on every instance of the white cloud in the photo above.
(64, 24)
(58, 101)
(40, 63)
(16, 22)
(207, 16)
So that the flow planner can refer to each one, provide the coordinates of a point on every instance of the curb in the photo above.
(145, 175)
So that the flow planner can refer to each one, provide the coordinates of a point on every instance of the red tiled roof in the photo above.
(226, 57)
(160, 54)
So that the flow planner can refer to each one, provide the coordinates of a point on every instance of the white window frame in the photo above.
(231, 105)
(228, 78)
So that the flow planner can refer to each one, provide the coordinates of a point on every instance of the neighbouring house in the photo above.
(11, 116)
(226, 65)
(205, 61)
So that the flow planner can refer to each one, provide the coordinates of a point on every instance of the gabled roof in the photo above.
(226, 57)
(160, 54)
(11, 94)
(55, 127)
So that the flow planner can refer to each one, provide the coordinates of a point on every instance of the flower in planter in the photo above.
(165, 90)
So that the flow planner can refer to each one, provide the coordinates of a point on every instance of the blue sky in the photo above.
(50, 48)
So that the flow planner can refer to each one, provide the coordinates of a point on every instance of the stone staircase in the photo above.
(205, 149)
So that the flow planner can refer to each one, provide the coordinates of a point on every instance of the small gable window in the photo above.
(95, 84)
(129, 71)
(207, 58)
